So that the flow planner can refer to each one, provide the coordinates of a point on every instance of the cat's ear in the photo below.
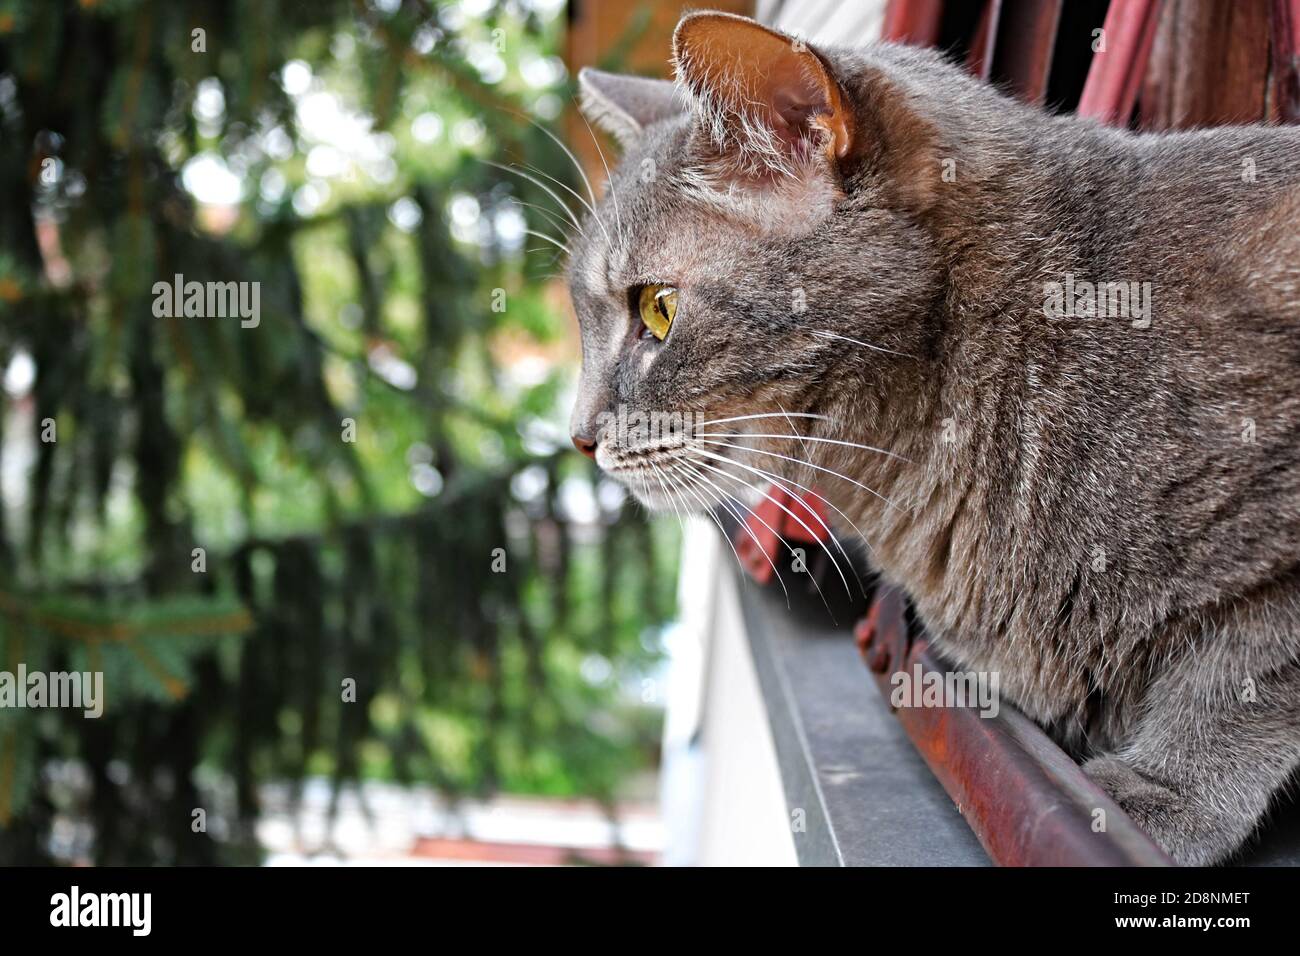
(625, 105)
(767, 97)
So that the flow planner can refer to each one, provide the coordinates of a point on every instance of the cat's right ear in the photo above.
(766, 99)
(774, 111)
(625, 105)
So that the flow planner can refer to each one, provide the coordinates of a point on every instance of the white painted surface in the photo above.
(833, 22)
(722, 800)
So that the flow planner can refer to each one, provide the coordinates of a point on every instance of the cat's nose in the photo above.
(585, 445)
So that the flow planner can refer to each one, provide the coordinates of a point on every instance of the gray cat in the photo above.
(1048, 370)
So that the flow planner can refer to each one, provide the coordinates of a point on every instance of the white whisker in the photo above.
(827, 441)
(709, 511)
(778, 481)
(664, 484)
(800, 521)
(540, 185)
(807, 464)
(555, 242)
(562, 184)
(613, 192)
(745, 418)
(573, 159)
(551, 217)
(865, 345)
(789, 421)
(783, 485)
(698, 479)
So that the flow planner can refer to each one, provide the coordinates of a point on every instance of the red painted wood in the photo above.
(1116, 73)
(1286, 59)
(1025, 40)
(980, 58)
(912, 21)
(1026, 800)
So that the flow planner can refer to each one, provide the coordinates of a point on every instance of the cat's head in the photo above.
(756, 262)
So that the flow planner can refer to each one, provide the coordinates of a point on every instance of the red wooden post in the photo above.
(1286, 59)
(915, 22)
(1117, 71)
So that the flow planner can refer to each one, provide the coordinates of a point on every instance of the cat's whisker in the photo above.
(866, 345)
(828, 441)
(663, 484)
(613, 191)
(745, 418)
(723, 503)
(783, 484)
(573, 159)
(838, 570)
(806, 464)
(709, 511)
(790, 421)
(699, 477)
(529, 250)
(717, 494)
(551, 217)
(644, 484)
(540, 185)
(553, 241)
(720, 495)
(562, 184)
(674, 496)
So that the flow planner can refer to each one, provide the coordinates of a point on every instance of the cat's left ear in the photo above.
(763, 95)
(625, 105)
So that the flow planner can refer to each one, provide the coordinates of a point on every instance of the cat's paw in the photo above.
(1188, 831)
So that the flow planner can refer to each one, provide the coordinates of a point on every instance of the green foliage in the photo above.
(348, 466)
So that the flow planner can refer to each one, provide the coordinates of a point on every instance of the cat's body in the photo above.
(1103, 510)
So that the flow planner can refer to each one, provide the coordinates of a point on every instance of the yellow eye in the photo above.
(658, 307)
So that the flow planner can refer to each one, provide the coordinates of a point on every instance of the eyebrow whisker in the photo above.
(609, 178)
(553, 241)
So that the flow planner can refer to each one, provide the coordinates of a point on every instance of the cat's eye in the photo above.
(657, 305)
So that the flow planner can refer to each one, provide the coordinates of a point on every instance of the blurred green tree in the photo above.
(340, 536)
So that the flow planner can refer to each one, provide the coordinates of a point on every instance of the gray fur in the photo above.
(1106, 515)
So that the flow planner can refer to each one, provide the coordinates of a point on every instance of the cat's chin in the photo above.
(650, 493)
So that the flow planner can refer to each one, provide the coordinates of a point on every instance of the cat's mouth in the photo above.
(682, 477)
(698, 464)
(649, 454)
(655, 477)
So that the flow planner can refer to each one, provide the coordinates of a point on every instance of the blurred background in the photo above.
(353, 594)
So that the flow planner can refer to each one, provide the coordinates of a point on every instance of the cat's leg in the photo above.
(1206, 757)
